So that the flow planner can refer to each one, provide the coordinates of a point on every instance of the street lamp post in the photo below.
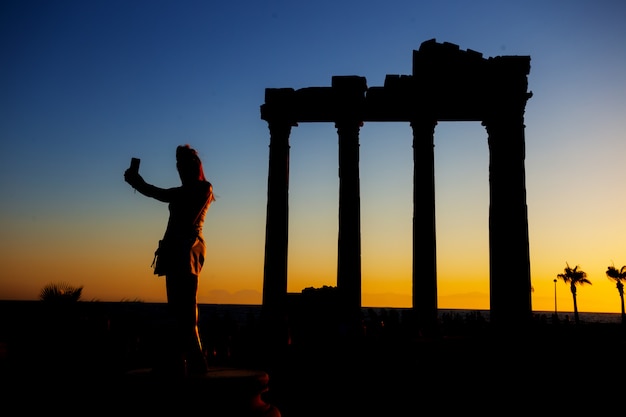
(555, 313)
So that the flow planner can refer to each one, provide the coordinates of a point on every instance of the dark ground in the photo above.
(78, 362)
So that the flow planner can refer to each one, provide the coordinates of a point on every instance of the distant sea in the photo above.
(240, 313)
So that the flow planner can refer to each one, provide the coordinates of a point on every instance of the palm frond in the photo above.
(60, 291)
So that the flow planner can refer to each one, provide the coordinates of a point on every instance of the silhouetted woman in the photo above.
(181, 251)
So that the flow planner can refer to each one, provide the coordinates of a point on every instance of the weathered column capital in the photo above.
(423, 126)
(345, 126)
(279, 129)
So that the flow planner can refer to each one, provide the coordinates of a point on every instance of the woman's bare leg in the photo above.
(182, 295)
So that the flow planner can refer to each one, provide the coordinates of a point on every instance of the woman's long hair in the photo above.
(189, 166)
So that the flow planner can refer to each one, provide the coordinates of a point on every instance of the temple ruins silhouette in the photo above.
(447, 84)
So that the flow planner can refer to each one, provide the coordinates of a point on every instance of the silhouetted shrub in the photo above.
(60, 293)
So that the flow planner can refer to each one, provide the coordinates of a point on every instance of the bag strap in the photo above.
(195, 222)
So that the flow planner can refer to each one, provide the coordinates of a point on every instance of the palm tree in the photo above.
(613, 274)
(574, 277)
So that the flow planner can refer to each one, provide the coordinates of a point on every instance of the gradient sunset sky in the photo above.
(86, 85)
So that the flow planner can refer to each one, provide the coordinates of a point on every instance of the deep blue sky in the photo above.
(85, 85)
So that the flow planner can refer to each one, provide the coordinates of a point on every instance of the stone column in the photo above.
(347, 106)
(509, 258)
(277, 222)
(349, 239)
(274, 308)
(277, 111)
(424, 235)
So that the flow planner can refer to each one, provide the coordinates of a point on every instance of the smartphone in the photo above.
(134, 164)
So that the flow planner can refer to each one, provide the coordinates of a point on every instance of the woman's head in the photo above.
(188, 164)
